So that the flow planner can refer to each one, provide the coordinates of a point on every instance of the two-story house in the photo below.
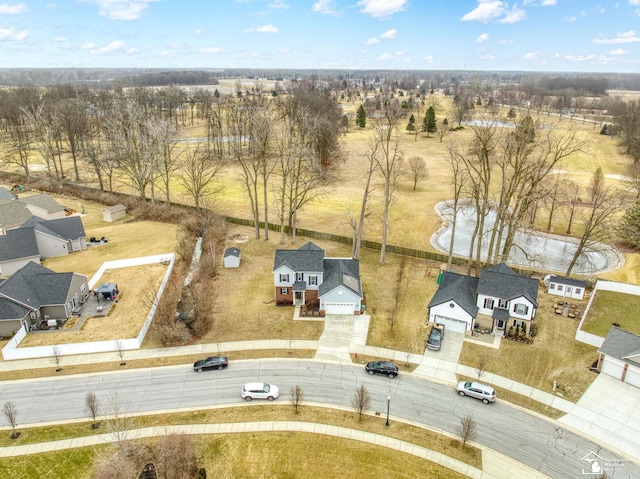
(305, 276)
(498, 299)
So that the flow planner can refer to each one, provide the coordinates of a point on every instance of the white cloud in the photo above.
(263, 29)
(389, 33)
(428, 59)
(250, 55)
(198, 31)
(382, 8)
(16, 9)
(619, 51)
(514, 15)
(531, 55)
(9, 34)
(51, 5)
(110, 48)
(635, 3)
(482, 38)
(278, 4)
(625, 37)
(210, 50)
(541, 3)
(87, 46)
(131, 51)
(285, 51)
(399, 53)
(486, 11)
(569, 19)
(385, 56)
(326, 7)
(120, 9)
(486, 57)
(372, 41)
(60, 39)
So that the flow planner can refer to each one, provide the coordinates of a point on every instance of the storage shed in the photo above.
(114, 213)
(566, 287)
(232, 258)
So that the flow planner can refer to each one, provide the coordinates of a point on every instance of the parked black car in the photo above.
(382, 367)
(435, 337)
(213, 362)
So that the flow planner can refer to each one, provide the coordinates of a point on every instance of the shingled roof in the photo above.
(69, 228)
(34, 286)
(13, 213)
(622, 345)
(341, 272)
(500, 281)
(459, 288)
(308, 258)
(44, 201)
(17, 244)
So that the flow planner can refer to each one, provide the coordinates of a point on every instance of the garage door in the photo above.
(632, 377)
(339, 308)
(612, 369)
(451, 324)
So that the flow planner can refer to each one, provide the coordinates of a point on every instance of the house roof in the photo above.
(568, 281)
(341, 272)
(233, 251)
(502, 282)
(68, 228)
(35, 286)
(458, 288)
(309, 257)
(16, 244)
(44, 201)
(115, 208)
(5, 194)
(13, 213)
(622, 345)
(11, 310)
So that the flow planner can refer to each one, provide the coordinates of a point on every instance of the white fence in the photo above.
(12, 351)
(602, 285)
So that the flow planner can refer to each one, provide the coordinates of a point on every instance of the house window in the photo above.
(488, 303)
(313, 280)
(299, 276)
(284, 278)
(578, 291)
(559, 287)
(521, 309)
(284, 291)
(503, 304)
(552, 287)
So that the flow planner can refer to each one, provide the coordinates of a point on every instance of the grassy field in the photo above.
(609, 307)
(258, 454)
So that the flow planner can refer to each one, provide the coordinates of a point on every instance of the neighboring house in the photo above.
(232, 258)
(5, 194)
(620, 356)
(58, 237)
(499, 299)
(35, 293)
(114, 213)
(13, 213)
(43, 206)
(17, 248)
(307, 277)
(566, 287)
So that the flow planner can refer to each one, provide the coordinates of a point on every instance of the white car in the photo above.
(476, 390)
(260, 391)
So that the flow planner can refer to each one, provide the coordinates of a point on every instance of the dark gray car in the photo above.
(212, 362)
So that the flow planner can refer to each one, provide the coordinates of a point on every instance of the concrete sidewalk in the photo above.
(495, 466)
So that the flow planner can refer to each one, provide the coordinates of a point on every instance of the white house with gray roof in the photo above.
(499, 299)
(35, 293)
(620, 356)
(566, 287)
(307, 277)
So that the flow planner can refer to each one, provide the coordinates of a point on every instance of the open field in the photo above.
(609, 307)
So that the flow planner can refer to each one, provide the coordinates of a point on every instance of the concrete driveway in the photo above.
(441, 365)
(609, 411)
(340, 331)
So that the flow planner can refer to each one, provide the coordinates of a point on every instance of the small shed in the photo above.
(114, 213)
(566, 287)
(232, 258)
(108, 291)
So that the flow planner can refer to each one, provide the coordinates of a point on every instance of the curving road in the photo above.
(511, 431)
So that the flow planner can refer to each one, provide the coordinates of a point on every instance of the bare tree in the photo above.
(296, 395)
(467, 429)
(118, 424)
(57, 357)
(416, 170)
(633, 179)
(92, 408)
(481, 366)
(178, 457)
(458, 181)
(11, 413)
(398, 292)
(120, 349)
(199, 172)
(361, 401)
(358, 225)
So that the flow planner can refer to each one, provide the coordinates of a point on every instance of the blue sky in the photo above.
(530, 35)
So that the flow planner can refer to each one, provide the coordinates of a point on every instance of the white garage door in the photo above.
(339, 308)
(632, 377)
(452, 324)
(612, 369)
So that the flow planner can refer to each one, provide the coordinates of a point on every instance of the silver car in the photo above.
(260, 391)
(476, 390)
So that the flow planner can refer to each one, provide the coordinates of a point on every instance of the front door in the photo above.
(568, 290)
(298, 297)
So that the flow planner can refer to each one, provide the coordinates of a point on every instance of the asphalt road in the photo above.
(511, 431)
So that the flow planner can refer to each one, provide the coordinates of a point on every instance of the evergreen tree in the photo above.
(361, 117)
(629, 228)
(512, 113)
(429, 121)
(526, 130)
(412, 123)
(216, 94)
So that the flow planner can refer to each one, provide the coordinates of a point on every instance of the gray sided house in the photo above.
(499, 299)
(58, 237)
(35, 293)
(307, 277)
(13, 213)
(620, 356)
(43, 206)
(17, 249)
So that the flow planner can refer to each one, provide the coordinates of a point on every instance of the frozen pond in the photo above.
(534, 250)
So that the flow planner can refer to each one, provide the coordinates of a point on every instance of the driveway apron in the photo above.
(339, 331)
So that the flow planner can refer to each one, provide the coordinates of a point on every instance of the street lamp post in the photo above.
(388, 405)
